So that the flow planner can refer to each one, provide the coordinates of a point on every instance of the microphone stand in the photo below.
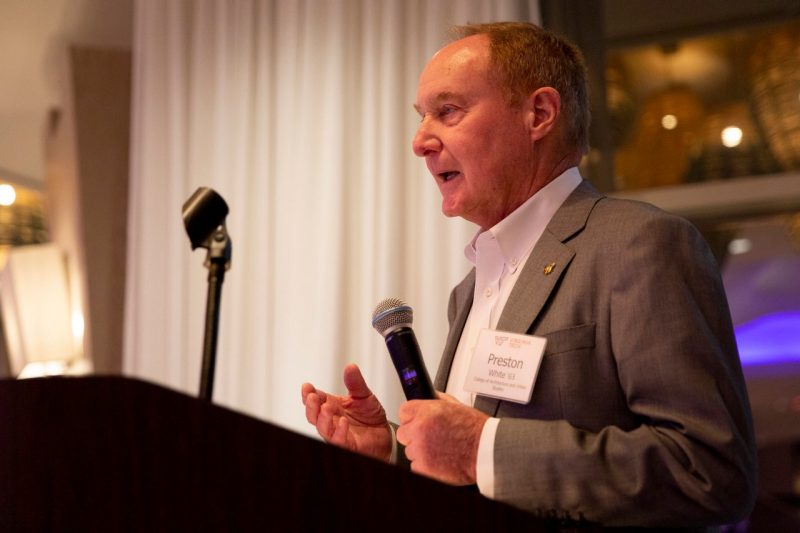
(217, 262)
(204, 217)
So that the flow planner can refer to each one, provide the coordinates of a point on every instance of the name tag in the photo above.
(504, 365)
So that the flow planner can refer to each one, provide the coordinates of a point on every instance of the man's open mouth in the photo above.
(447, 176)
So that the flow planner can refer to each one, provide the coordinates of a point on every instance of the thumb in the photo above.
(354, 381)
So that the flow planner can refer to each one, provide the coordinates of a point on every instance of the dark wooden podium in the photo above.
(111, 454)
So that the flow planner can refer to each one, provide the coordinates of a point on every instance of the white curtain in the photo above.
(299, 114)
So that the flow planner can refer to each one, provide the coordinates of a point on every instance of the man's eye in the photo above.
(441, 113)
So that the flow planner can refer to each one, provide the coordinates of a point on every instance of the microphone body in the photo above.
(392, 319)
(407, 358)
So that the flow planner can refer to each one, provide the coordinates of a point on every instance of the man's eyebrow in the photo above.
(441, 97)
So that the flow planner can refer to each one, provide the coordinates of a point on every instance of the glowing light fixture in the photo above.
(7, 194)
(770, 338)
(740, 246)
(731, 136)
(77, 324)
(669, 122)
(37, 316)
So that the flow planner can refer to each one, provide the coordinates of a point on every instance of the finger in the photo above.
(339, 436)
(420, 466)
(305, 390)
(416, 463)
(402, 436)
(323, 396)
(409, 453)
(408, 411)
(308, 388)
(312, 408)
(326, 421)
(354, 381)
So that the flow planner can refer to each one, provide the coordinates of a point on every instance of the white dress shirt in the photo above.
(499, 254)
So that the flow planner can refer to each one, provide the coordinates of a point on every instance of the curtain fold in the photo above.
(299, 114)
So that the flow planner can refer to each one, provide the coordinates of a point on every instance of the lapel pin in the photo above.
(549, 268)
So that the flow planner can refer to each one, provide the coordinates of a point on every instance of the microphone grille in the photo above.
(390, 314)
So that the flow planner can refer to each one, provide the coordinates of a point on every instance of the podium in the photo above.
(111, 454)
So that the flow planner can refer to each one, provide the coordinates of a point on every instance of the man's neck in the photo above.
(541, 179)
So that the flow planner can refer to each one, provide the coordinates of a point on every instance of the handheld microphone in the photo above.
(392, 319)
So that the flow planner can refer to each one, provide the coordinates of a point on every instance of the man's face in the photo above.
(475, 145)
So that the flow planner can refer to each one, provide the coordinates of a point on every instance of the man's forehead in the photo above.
(478, 42)
(474, 48)
(459, 61)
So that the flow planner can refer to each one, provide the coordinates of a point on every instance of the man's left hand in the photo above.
(441, 438)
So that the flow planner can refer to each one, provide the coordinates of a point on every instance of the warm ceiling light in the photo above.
(740, 246)
(7, 194)
(669, 122)
(731, 136)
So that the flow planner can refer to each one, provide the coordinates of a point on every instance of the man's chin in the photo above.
(450, 211)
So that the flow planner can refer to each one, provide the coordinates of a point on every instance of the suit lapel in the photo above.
(546, 265)
(463, 294)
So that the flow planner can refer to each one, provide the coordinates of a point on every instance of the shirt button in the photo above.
(487, 292)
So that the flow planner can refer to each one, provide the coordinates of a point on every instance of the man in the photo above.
(639, 414)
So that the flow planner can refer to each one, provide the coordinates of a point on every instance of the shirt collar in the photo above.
(518, 232)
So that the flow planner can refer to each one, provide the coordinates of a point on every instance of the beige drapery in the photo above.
(299, 114)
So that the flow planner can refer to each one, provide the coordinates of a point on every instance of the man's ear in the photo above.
(543, 109)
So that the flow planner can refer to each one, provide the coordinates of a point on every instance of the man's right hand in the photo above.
(356, 422)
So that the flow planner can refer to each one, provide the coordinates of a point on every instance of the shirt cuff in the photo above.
(485, 466)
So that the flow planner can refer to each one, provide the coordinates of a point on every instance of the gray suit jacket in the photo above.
(639, 414)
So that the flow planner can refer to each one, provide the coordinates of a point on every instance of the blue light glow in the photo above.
(773, 338)
(409, 374)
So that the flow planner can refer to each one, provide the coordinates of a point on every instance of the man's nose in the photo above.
(425, 142)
